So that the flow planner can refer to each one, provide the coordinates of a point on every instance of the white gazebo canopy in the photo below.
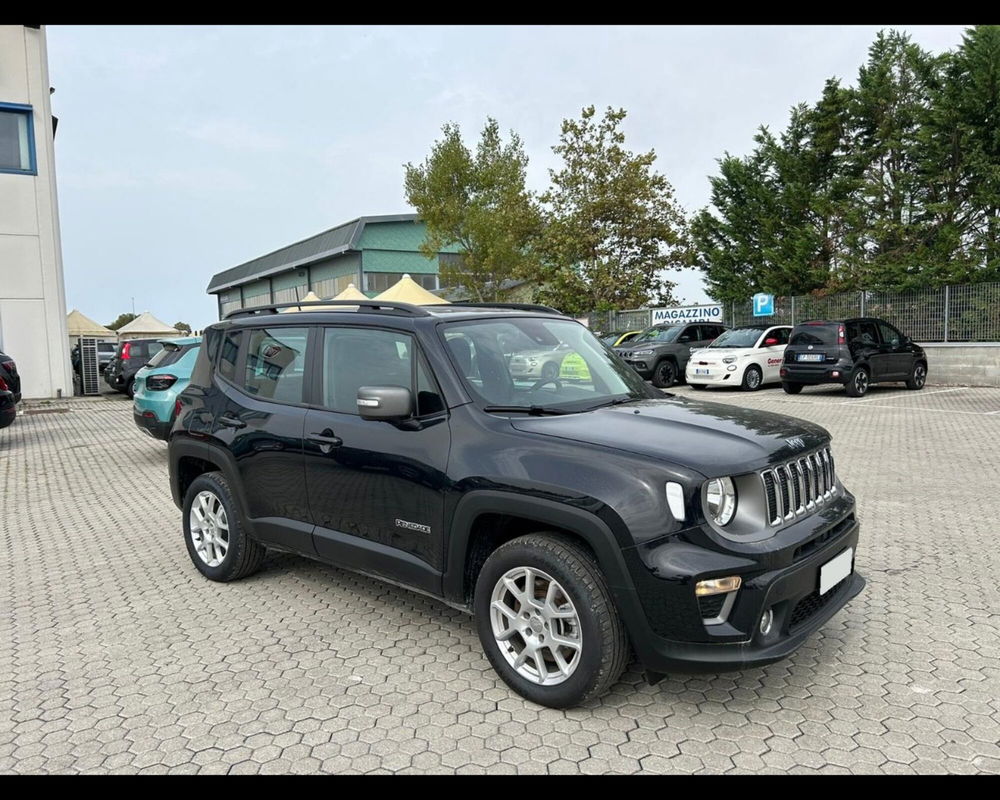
(79, 324)
(351, 293)
(311, 297)
(146, 326)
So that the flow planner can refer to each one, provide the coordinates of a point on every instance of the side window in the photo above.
(890, 335)
(275, 368)
(868, 333)
(712, 331)
(356, 357)
(227, 359)
(689, 334)
(781, 334)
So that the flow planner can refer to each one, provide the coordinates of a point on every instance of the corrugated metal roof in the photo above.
(323, 245)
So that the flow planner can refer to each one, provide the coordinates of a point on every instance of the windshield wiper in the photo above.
(615, 402)
(535, 411)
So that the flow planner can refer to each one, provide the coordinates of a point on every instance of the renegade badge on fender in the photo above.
(581, 516)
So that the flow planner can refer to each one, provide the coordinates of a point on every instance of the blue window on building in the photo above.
(17, 139)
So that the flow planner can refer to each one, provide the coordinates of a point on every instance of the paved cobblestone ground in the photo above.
(116, 656)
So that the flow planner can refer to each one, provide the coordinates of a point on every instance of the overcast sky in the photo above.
(184, 151)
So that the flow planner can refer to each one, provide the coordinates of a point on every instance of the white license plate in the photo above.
(702, 372)
(810, 357)
(835, 570)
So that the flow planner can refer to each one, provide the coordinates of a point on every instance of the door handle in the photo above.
(231, 422)
(326, 439)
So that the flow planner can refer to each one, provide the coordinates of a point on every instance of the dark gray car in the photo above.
(661, 353)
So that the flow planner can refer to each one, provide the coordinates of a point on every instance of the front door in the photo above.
(376, 489)
(901, 356)
(774, 354)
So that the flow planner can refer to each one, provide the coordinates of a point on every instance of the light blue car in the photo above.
(159, 382)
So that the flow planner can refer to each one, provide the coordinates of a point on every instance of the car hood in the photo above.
(713, 438)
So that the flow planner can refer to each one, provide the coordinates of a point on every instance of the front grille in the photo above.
(711, 606)
(798, 486)
(812, 604)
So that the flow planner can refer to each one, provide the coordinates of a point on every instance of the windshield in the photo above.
(660, 334)
(738, 337)
(527, 361)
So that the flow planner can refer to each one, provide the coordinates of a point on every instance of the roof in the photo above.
(146, 325)
(183, 341)
(331, 242)
(79, 324)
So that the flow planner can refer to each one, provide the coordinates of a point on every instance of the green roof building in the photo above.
(370, 252)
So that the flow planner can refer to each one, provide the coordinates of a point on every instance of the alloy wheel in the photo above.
(536, 626)
(753, 379)
(919, 375)
(209, 528)
(861, 381)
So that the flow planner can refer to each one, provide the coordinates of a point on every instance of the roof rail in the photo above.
(367, 305)
(516, 306)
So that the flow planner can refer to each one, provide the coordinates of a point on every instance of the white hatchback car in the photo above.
(747, 357)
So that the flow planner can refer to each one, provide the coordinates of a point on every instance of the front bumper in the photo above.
(673, 636)
(643, 367)
(147, 422)
(718, 375)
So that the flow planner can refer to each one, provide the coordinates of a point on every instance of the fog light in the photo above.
(717, 586)
(835, 374)
(766, 622)
(731, 368)
(783, 372)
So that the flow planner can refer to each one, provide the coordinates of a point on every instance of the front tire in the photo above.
(791, 388)
(918, 377)
(216, 541)
(858, 383)
(547, 621)
(665, 374)
(752, 378)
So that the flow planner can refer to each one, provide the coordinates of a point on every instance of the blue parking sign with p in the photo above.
(763, 305)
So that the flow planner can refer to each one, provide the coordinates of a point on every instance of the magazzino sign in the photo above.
(681, 314)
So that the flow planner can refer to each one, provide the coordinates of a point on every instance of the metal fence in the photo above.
(950, 314)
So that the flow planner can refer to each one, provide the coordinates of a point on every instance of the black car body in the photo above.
(853, 352)
(129, 358)
(279, 408)
(660, 354)
(10, 390)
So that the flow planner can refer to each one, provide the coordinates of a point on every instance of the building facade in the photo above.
(370, 252)
(32, 293)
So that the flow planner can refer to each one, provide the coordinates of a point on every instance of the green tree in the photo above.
(121, 320)
(182, 326)
(477, 204)
(612, 226)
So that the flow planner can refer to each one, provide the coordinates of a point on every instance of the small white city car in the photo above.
(747, 357)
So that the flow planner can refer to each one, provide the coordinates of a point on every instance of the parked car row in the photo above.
(854, 353)
(129, 358)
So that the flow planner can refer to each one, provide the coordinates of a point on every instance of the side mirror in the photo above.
(387, 403)
(770, 342)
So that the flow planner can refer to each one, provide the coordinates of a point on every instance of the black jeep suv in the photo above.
(578, 518)
(854, 353)
(660, 354)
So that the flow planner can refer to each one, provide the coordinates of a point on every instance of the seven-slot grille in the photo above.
(798, 486)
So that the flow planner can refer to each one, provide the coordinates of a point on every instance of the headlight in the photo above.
(729, 360)
(720, 500)
(642, 352)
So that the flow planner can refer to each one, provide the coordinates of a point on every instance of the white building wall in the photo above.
(32, 293)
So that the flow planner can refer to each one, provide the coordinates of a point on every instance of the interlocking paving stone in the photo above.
(117, 656)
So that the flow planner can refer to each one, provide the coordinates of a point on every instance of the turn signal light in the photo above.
(126, 351)
(3, 385)
(718, 586)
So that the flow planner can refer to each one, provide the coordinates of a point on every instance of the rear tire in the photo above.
(665, 374)
(564, 579)
(791, 388)
(753, 378)
(130, 389)
(214, 534)
(918, 377)
(859, 383)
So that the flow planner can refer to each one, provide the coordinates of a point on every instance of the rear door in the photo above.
(866, 346)
(259, 417)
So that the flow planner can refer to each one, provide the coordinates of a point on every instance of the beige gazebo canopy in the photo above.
(407, 290)
(146, 326)
(79, 324)
(311, 297)
(351, 293)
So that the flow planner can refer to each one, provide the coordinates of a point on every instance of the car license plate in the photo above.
(810, 357)
(702, 372)
(835, 570)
